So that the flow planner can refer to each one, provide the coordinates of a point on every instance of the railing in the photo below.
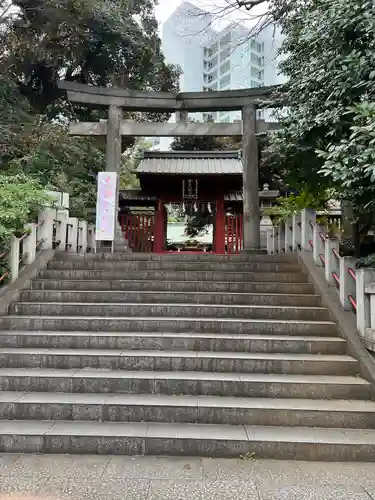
(233, 233)
(356, 287)
(53, 229)
(139, 231)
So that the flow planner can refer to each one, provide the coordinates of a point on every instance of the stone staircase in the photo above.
(180, 355)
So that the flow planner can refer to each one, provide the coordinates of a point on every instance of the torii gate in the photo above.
(117, 100)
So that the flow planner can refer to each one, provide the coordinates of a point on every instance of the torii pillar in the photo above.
(113, 164)
(251, 208)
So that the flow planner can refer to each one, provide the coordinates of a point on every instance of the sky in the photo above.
(166, 7)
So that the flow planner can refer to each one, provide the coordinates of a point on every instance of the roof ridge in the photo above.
(192, 154)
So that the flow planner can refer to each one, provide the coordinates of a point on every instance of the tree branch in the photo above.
(249, 4)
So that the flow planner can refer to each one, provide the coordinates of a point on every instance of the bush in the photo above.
(21, 197)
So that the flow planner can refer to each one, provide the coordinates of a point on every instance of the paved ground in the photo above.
(62, 477)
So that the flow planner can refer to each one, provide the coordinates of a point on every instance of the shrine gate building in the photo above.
(205, 182)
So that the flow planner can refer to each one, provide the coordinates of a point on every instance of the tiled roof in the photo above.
(191, 163)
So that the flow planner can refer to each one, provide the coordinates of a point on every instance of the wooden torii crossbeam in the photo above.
(118, 100)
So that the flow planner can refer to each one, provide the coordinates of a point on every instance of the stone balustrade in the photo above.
(54, 229)
(356, 287)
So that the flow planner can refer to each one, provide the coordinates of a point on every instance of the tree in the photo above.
(197, 143)
(15, 119)
(130, 161)
(350, 165)
(328, 57)
(21, 198)
(101, 42)
(256, 14)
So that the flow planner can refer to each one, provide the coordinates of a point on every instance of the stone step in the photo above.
(203, 361)
(257, 385)
(168, 265)
(178, 257)
(165, 324)
(167, 275)
(138, 285)
(187, 409)
(142, 438)
(166, 341)
(171, 310)
(113, 296)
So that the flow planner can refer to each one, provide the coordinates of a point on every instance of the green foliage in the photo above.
(293, 204)
(351, 162)
(131, 158)
(327, 56)
(15, 118)
(100, 42)
(20, 200)
(368, 261)
(196, 143)
(197, 224)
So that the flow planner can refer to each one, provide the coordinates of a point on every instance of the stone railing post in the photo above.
(296, 230)
(62, 217)
(288, 235)
(29, 243)
(72, 236)
(308, 221)
(364, 277)
(82, 237)
(331, 261)
(46, 220)
(91, 242)
(277, 229)
(271, 241)
(281, 237)
(347, 282)
(14, 258)
(319, 244)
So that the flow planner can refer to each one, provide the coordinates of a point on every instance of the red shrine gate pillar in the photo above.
(159, 227)
(220, 227)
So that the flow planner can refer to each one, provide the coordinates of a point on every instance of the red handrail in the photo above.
(321, 257)
(335, 253)
(353, 302)
(352, 274)
(336, 277)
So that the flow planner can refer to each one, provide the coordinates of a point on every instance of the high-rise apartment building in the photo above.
(217, 59)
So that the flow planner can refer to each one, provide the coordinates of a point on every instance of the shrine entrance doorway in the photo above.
(190, 226)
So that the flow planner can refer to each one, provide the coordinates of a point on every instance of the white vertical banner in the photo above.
(106, 206)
